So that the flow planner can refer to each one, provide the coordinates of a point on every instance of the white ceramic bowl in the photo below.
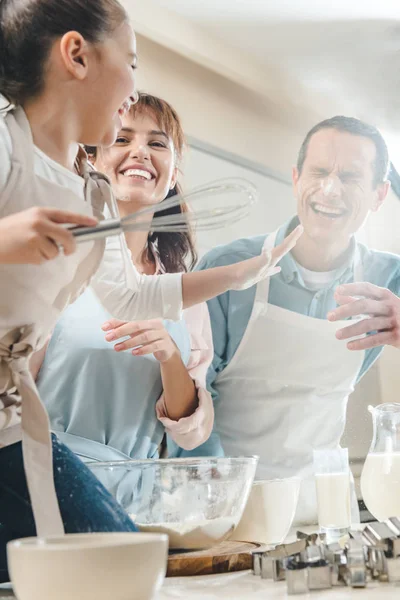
(93, 566)
(269, 511)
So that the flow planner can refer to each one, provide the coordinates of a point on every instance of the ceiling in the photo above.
(347, 50)
(243, 11)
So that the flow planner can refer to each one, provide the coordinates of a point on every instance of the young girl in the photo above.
(108, 405)
(67, 68)
(51, 73)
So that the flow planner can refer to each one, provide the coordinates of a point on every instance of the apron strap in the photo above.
(15, 350)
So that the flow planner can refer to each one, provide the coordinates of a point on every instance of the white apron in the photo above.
(32, 298)
(285, 393)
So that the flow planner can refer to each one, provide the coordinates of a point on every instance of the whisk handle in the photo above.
(103, 229)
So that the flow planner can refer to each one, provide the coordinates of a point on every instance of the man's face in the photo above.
(336, 190)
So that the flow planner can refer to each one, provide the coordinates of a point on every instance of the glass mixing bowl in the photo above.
(196, 501)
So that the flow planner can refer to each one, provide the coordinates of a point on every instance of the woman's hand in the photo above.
(36, 235)
(249, 272)
(146, 337)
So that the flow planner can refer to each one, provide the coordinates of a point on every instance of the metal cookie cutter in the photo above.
(385, 548)
(335, 555)
(257, 563)
(312, 539)
(356, 572)
(272, 566)
(393, 557)
(394, 541)
(394, 525)
(393, 570)
(273, 562)
(378, 534)
(308, 569)
(318, 570)
(376, 544)
(356, 535)
(296, 577)
(377, 564)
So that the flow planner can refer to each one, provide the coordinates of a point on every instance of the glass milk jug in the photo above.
(380, 479)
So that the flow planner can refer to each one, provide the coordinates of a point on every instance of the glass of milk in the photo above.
(332, 479)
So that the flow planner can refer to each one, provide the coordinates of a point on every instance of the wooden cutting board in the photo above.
(225, 558)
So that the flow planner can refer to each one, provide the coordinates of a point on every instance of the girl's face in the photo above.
(110, 83)
(141, 164)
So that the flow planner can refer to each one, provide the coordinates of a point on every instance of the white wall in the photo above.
(219, 111)
(275, 205)
(229, 60)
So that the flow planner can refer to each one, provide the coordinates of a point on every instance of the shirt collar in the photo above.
(289, 270)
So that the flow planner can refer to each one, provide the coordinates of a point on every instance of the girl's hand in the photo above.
(146, 337)
(249, 272)
(36, 235)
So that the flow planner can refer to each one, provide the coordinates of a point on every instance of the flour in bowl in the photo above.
(195, 534)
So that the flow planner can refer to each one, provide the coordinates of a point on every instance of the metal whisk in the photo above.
(231, 200)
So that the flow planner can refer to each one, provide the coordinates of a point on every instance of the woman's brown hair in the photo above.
(176, 249)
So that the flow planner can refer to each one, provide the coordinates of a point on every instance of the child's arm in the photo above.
(35, 235)
(129, 296)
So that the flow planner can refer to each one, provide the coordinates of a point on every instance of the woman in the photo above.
(108, 405)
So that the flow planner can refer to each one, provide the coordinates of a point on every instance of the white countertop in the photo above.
(245, 586)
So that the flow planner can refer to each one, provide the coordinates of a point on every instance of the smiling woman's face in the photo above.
(141, 164)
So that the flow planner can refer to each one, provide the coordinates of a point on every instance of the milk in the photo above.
(333, 495)
(269, 512)
(380, 484)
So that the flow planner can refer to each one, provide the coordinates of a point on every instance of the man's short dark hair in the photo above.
(355, 127)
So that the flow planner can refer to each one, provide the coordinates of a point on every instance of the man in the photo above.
(285, 362)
